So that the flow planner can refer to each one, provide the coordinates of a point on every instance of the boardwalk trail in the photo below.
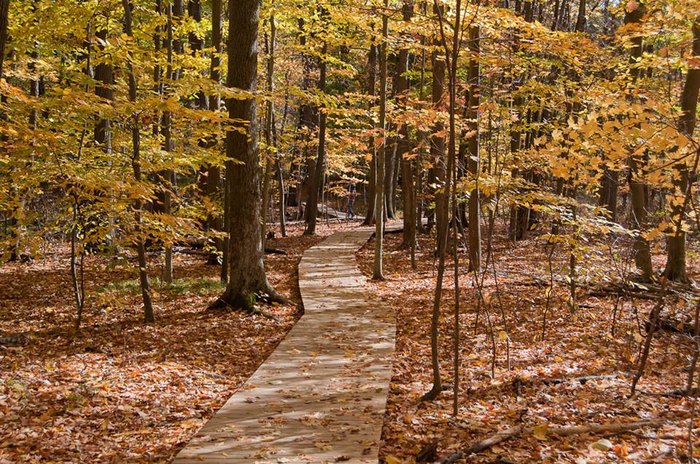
(320, 396)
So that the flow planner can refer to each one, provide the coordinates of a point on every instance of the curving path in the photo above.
(320, 396)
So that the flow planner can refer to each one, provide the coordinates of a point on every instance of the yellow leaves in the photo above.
(540, 431)
(390, 459)
(652, 234)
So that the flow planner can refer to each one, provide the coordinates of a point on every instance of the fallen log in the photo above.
(14, 340)
(679, 393)
(613, 428)
(274, 251)
(518, 382)
(582, 380)
(669, 324)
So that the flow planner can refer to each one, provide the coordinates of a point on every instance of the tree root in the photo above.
(248, 304)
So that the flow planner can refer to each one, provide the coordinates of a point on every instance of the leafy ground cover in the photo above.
(124, 391)
(531, 381)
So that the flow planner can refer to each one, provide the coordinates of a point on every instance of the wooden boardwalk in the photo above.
(320, 396)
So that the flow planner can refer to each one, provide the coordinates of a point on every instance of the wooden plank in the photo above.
(320, 396)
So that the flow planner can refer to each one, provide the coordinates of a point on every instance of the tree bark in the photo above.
(473, 161)
(389, 175)
(320, 168)
(269, 123)
(136, 167)
(4, 17)
(213, 184)
(407, 188)
(371, 91)
(581, 18)
(608, 192)
(308, 119)
(555, 15)
(675, 245)
(642, 252)
(378, 273)
(104, 77)
(166, 178)
(437, 147)
(247, 278)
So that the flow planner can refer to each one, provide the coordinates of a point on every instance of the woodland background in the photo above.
(541, 156)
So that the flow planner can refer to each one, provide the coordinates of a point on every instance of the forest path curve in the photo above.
(320, 396)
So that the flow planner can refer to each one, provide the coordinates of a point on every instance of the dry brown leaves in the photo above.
(125, 391)
(576, 344)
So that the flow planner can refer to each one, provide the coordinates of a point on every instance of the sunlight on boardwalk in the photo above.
(320, 397)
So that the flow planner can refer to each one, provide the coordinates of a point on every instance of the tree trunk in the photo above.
(675, 246)
(555, 15)
(581, 18)
(403, 144)
(473, 161)
(247, 278)
(308, 117)
(282, 197)
(378, 273)
(136, 166)
(371, 91)
(608, 192)
(4, 13)
(642, 252)
(166, 177)
(389, 175)
(437, 147)
(269, 123)
(320, 168)
(213, 185)
(104, 77)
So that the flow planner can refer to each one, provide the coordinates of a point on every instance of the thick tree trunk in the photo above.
(136, 166)
(247, 278)
(675, 246)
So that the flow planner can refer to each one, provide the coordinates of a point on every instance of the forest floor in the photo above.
(531, 381)
(125, 391)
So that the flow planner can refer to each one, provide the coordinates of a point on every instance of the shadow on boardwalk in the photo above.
(320, 397)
